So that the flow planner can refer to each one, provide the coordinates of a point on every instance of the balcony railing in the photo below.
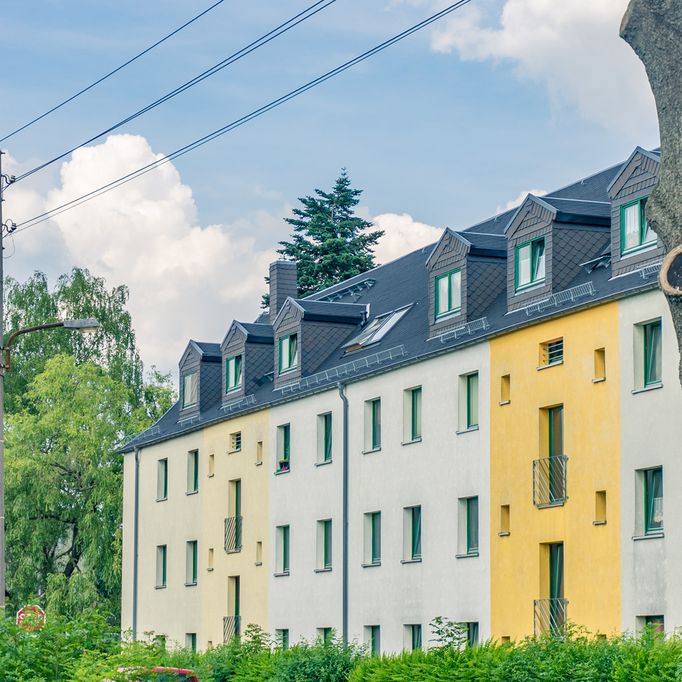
(549, 481)
(550, 615)
(233, 534)
(231, 627)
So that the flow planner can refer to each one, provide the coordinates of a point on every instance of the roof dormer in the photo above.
(633, 243)
(466, 273)
(306, 332)
(199, 371)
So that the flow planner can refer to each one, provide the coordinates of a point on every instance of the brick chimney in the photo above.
(282, 285)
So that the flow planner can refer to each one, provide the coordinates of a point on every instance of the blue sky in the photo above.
(447, 127)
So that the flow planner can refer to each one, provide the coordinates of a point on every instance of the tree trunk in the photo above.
(653, 28)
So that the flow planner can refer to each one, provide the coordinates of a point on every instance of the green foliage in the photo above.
(329, 242)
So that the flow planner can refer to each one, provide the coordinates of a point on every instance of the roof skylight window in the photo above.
(376, 330)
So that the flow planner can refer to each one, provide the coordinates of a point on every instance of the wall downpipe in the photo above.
(136, 510)
(344, 468)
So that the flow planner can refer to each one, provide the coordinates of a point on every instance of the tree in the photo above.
(653, 28)
(329, 242)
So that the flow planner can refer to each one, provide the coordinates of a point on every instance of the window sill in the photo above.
(369, 452)
(232, 452)
(162, 499)
(644, 389)
(210, 476)
(324, 463)
(504, 402)
(279, 472)
(288, 370)
(323, 570)
(649, 536)
(504, 534)
(643, 248)
(467, 555)
(372, 564)
(598, 380)
(444, 317)
(551, 364)
(259, 464)
(411, 561)
(283, 574)
(233, 551)
(160, 587)
(467, 430)
(598, 523)
(194, 584)
(411, 442)
(191, 492)
(551, 505)
(529, 287)
(257, 563)
(209, 570)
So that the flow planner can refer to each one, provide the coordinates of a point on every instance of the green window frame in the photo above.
(190, 389)
(416, 413)
(416, 532)
(233, 373)
(472, 400)
(162, 480)
(635, 233)
(162, 559)
(288, 353)
(375, 408)
(653, 500)
(327, 437)
(285, 549)
(652, 333)
(533, 252)
(284, 444)
(472, 634)
(327, 543)
(191, 641)
(448, 293)
(192, 562)
(283, 636)
(416, 636)
(192, 471)
(374, 640)
(472, 525)
(326, 636)
(375, 544)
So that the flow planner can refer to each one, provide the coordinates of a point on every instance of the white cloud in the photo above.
(402, 235)
(519, 198)
(572, 47)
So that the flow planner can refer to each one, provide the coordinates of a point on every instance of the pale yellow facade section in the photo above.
(519, 435)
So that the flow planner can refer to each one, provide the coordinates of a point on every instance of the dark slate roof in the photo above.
(491, 245)
(403, 283)
(579, 207)
(258, 332)
(208, 349)
(326, 311)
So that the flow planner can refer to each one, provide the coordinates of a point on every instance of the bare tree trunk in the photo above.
(653, 28)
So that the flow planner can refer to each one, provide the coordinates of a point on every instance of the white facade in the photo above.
(438, 472)
(651, 434)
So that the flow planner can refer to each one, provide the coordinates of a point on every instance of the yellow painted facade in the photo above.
(519, 435)
(224, 466)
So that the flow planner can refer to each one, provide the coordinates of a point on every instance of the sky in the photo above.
(448, 127)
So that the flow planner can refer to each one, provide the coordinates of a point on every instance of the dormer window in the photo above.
(635, 231)
(190, 385)
(530, 264)
(375, 330)
(233, 373)
(448, 293)
(288, 352)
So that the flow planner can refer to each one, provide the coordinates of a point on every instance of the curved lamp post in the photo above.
(89, 324)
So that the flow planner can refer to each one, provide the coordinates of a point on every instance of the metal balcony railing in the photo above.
(231, 627)
(233, 534)
(549, 615)
(549, 481)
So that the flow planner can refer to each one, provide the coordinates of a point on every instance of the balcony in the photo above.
(549, 615)
(231, 627)
(233, 534)
(549, 481)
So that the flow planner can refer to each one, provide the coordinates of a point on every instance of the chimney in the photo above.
(283, 283)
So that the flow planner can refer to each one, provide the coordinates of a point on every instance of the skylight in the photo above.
(375, 330)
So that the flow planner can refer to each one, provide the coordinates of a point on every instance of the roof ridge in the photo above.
(587, 201)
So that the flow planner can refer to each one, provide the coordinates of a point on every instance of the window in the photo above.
(468, 401)
(472, 634)
(192, 471)
(448, 293)
(373, 425)
(282, 549)
(236, 441)
(190, 387)
(283, 447)
(191, 563)
(161, 564)
(210, 559)
(324, 438)
(600, 507)
(259, 453)
(530, 264)
(599, 365)
(282, 636)
(551, 353)
(324, 545)
(635, 232)
(233, 373)
(505, 389)
(412, 533)
(653, 500)
(549, 473)
(373, 639)
(288, 352)
(413, 637)
(468, 526)
(505, 519)
(259, 553)
(372, 550)
(211, 465)
(191, 641)
(233, 523)
(655, 623)
(162, 480)
(652, 353)
(375, 330)
(325, 635)
(412, 414)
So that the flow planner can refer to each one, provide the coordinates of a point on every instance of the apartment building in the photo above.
(480, 430)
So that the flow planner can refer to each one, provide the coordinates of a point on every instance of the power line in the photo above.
(238, 122)
(111, 73)
(251, 47)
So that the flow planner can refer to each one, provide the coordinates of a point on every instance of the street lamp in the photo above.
(89, 324)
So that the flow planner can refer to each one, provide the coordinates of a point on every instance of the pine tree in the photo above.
(329, 243)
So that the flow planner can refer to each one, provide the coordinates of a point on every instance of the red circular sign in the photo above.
(31, 617)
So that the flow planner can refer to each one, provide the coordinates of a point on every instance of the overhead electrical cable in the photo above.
(111, 73)
(47, 215)
(251, 47)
